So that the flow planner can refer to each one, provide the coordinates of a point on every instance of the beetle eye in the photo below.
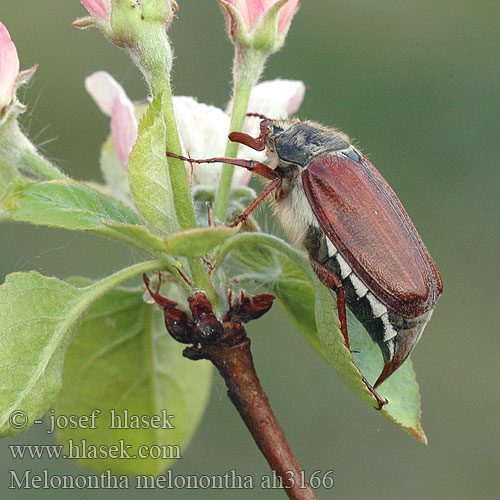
(276, 129)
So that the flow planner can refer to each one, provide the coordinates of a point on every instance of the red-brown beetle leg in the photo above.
(332, 281)
(209, 215)
(184, 277)
(251, 165)
(248, 164)
(381, 402)
(255, 203)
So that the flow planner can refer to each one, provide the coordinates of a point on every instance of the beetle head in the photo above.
(274, 132)
(297, 143)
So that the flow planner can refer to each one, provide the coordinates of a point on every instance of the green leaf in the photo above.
(65, 204)
(122, 359)
(148, 172)
(37, 317)
(401, 388)
(69, 205)
(114, 174)
(191, 243)
(274, 266)
(197, 242)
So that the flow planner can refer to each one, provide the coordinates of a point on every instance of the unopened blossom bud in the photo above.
(139, 26)
(9, 67)
(16, 150)
(100, 16)
(10, 76)
(132, 19)
(258, 24)
(99, 9)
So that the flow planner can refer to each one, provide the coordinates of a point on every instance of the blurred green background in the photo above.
(417, 84)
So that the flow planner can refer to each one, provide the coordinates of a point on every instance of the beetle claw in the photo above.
(381, 402)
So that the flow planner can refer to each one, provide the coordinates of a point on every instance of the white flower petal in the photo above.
(277, 98)
(203, 131)
(203, 128)
(104, 89)
(123, 128)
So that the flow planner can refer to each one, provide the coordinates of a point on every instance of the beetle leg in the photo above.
(332, 281)
(184, 277)
(243, 216)
(248, 164)
(209, 215)
(251, 165)
(381, 402)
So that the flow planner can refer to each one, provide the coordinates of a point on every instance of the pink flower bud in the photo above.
(100, 15)
(99, 9)
(261, 23)
(9, 68)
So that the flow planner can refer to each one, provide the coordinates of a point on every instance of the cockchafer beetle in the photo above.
(361, 242)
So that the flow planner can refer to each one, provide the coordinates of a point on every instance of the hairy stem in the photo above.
(246, 71)
(241, 96)
(235, 364)
(181, 188)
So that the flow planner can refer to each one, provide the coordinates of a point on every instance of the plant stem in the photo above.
(241, 95)
(247, 69)
(182, 196)
(18, 150)
(227, 346)
(179, 181)
(235, 364)
(178, 175)
(41, 166)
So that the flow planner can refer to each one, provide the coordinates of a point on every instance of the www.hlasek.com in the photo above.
(228, 480)
(81, 450)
